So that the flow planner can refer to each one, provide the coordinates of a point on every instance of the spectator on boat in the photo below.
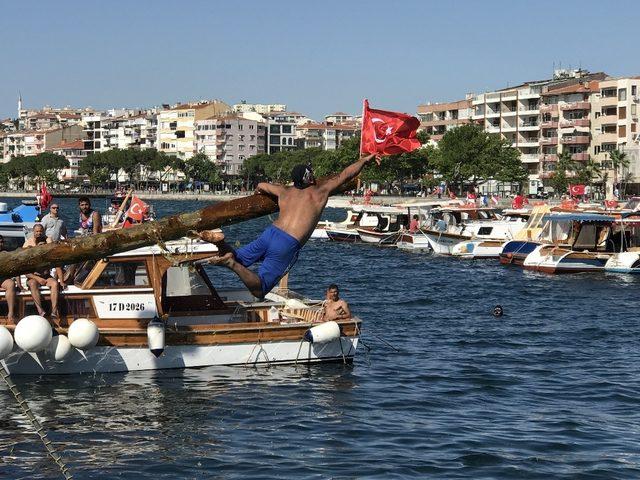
(90, 219)
(414, 225)
(54, 226)
(333, 307)
(10, 286)
(43, 278)
(279, 245)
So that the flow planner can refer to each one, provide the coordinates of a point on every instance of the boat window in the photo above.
(184, 289)
(183, 281)
(485, 230)
(123, 274)
(587, 237)
(484, 215)
(556, 231)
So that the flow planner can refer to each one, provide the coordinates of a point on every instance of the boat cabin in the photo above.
(581, 231)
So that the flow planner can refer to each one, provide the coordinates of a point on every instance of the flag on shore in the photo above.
(576, 190)
(387, 133)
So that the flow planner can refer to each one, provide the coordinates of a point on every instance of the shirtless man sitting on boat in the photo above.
(9, 286)
(43, 278)
(277, 248)
(334, 308)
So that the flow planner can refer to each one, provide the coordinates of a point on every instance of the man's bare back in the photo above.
(278, 246)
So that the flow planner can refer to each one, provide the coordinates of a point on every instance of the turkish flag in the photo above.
(45, 197)
(137, 211)
(387, 133)
(576, 190)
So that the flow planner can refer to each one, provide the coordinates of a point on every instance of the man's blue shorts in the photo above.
(277, 250)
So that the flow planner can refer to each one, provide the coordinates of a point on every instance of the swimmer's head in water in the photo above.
(302, 176)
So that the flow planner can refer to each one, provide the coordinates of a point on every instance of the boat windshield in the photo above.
(184, 289)
(556, 231)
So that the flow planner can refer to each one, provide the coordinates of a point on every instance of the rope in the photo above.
(40, 431)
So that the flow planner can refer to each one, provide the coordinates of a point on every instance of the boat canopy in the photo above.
(578, 217)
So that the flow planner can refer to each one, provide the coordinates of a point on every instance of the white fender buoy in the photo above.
(6, 342)
(155, 336)
(59, 347)
(83, 334)
(323, 333)
(33, 333)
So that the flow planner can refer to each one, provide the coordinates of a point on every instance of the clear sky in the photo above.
(318, 57)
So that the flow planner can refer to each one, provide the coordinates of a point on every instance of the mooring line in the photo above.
(40, 431)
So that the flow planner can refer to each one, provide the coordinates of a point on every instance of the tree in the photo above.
(468, 153)
(619, 163)
(560, 179)
(200, 168)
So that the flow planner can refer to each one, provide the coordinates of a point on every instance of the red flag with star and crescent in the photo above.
(136, 213)
(45, 197)
(576, 190)
(387, 133)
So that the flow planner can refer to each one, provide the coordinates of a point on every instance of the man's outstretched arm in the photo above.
(269, 189)
(347, 174)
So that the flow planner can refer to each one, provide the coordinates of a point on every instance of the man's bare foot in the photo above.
(226, 260)
(211, 236)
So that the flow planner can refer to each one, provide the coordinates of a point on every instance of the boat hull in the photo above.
(442, 243)
(349, 236)
(477, 249)
(516, 251)
(552, 259)
(413, 241)
(110, 359)
(625, 262)
(378, 238)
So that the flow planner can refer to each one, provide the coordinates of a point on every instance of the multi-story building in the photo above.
(340, 118)
(565, 125)
(176, 126)
(437, 118)
(74, 152)
(614, 117)
(282, 131)
(237, 139)
(33, 142)
(48, 117)
(261, 108)
(323, 135)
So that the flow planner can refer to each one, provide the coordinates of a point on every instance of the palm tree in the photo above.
(619, 161)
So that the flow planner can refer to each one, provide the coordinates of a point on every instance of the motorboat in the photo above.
(369, 217)
(452, 225)
(156, 308)
(627, 260)
(320, 232)
(417, 240)
(574, 242)
(492, 247)
(17, 222)
(526, 240)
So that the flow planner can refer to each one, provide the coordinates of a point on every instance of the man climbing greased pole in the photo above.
(277, 248)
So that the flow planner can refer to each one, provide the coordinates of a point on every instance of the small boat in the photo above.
(369, 217)
(320, 232)
(452, 225)
(579, 242)
(417, 240)
(491, 248)
(156, 308)
(627, 259)
(389, 227)
(15, 223)
(525, 241)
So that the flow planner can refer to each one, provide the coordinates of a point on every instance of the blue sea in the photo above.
(442, 389)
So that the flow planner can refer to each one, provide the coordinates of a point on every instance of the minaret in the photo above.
(19, 103)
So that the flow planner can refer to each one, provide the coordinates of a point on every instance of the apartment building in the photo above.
(48, 117)
(339, 118)
(74, 152)
(261, 108)
(34, 142)
(237, 139)
(176, 126)
(282, 130)
(614, 116)
(324, 135)
(437, 118)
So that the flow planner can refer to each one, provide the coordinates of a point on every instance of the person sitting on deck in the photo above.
(43, 278)
(278, 246)
(8, 285)
(414, 226)
(333, 307)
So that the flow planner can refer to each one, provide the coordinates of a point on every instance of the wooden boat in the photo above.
(580, 242)
(134, 298)
(417, 241)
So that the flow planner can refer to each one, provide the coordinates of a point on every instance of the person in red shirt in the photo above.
(519, 201)
(414, 225)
